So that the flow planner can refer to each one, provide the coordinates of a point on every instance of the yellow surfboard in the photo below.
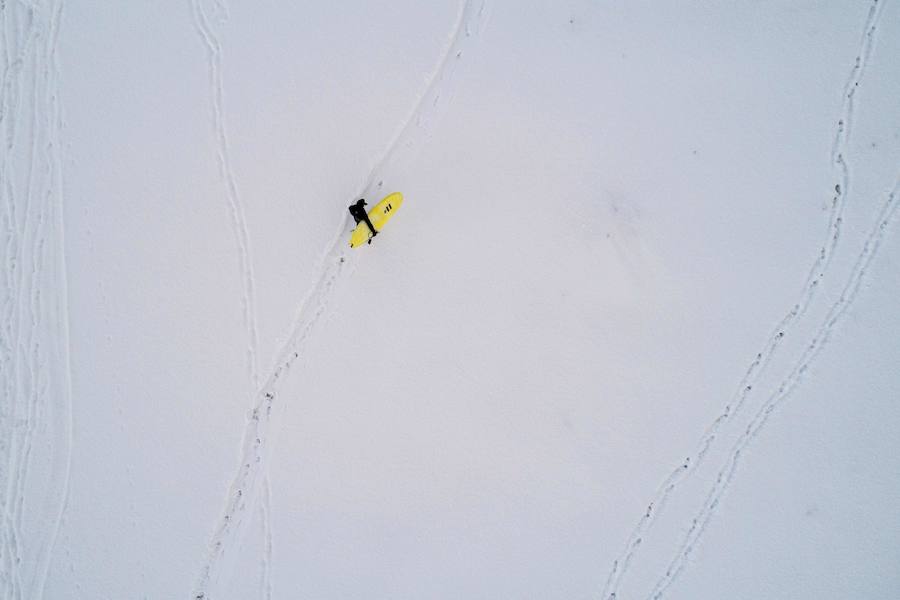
(379, 215)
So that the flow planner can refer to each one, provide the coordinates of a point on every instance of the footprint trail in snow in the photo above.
(758, 366)
(206, 18)
(246, 485)
(35, 373)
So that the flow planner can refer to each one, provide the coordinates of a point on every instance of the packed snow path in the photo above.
(35, 409)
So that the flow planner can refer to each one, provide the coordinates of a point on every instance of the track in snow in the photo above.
(205, 23)
(758, 366)
(35, 408)
(246, 485)
(787, 386)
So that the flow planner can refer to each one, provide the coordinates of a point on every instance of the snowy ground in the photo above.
(633, 334)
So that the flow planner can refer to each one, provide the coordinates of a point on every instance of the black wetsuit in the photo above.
(358, 211)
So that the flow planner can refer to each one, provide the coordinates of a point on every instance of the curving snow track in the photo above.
(762, 359)
(247, 483)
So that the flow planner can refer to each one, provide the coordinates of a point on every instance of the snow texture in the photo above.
(633, 334)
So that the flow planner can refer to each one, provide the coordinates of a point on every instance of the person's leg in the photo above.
(371, 227)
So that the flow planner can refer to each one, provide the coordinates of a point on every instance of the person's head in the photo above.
(361, 202)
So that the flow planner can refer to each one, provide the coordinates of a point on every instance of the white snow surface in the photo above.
(633, 334)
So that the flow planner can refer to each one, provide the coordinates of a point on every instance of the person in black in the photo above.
(358, 211)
